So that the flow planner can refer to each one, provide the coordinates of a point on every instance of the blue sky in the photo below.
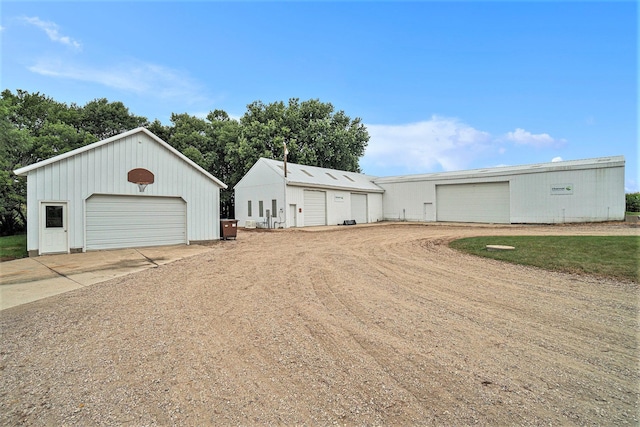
(439, 85)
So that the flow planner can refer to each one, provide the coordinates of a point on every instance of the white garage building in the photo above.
(557, 192)
(307, 196)
(131, 190)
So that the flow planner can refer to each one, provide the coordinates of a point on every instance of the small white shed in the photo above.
(130, 190)
(588, 190)
(307, 196)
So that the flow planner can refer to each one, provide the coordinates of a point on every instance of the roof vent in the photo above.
(306, 172)
(349, 178)
(331, 176)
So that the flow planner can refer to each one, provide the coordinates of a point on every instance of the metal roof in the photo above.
(26, 169)
(600, 162)
(313, 176)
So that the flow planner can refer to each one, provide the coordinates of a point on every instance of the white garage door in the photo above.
(486, 202)
(359, 208)
(315, 208)
(134, 221)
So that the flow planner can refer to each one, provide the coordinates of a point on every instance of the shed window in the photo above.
(249, 208)
(54, 216)
(261, 208)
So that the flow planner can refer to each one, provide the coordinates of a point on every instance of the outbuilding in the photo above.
(275, 194)
(588, 190)
(130, 190)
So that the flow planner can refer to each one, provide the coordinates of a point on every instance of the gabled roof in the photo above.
(600, 162)
(313, 176)
(23, 171)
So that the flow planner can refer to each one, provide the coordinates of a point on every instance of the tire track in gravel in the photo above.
(365, 325)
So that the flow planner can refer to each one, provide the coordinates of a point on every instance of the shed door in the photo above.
(483, 202)
(135, 221)
(359, 208)
(315, 208)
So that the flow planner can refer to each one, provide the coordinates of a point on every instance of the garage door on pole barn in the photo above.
(482, 202)
(315, 208)
(359, 208)
(135, 221)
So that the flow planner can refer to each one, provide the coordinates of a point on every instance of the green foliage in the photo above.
(34, 127)
(315, 135)
(633, 202)
(606, 256)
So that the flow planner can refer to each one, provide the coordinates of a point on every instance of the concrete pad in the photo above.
(22, 293)
(24, 270)
(499, 248)
(31, 279)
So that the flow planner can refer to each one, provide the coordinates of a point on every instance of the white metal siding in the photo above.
(135, 221)
(359, 208)
(103, 170)
(315, 208)
(486, 202)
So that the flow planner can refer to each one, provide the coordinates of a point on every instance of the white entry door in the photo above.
(53, 228)
(293, 215)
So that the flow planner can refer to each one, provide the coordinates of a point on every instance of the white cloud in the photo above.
(438, 143)
(443, 144)
(523, 137)
(130, 76)
(52, 31)
(556, 159)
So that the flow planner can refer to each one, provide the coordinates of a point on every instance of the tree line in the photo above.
(35, 127)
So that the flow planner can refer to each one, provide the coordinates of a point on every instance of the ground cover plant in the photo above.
(606, 256)
(13, 247)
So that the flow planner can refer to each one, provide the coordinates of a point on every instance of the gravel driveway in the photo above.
(379, 325)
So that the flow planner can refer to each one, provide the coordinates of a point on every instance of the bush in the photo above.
(633, 202)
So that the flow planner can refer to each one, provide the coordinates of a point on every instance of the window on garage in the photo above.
(261, 208)
(249, 208)
(274, 207)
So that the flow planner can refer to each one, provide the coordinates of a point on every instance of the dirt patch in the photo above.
(380, 325)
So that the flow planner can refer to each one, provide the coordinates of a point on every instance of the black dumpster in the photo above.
(228, 228)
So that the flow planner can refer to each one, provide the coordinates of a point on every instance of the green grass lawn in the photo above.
(605, 256)
(13, 247)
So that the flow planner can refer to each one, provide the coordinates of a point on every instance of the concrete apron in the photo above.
(30, 279)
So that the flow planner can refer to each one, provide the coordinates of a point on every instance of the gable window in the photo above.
(249, 208)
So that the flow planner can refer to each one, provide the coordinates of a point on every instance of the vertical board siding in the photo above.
(480, 202)
(359, 208)
(315, 206)
(103, 170)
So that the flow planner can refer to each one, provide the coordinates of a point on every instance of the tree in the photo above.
(315, 135)
(105, 119)
(34, 127)
(14, 143)
(206, 142)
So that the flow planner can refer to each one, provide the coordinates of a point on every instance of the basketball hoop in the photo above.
(141, 177)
